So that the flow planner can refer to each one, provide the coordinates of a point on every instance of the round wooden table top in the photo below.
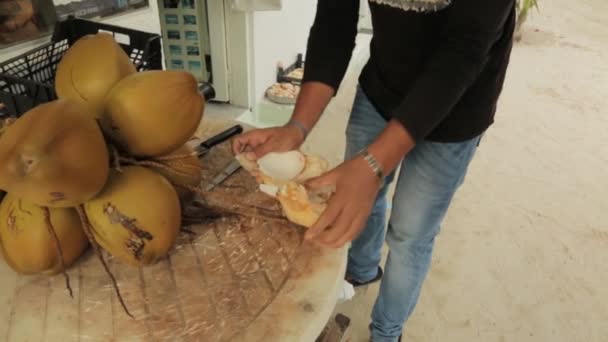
(245, 277)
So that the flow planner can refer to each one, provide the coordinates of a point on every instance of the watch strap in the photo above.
(373, 164)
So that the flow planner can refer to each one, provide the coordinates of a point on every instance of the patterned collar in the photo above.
(416, 5)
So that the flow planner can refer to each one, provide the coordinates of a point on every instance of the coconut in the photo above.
(90, 68)
(28, 244)
(154, 112)
(54, 155)
(182, 168)
(137, 216)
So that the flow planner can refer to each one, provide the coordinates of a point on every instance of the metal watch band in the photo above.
(373, 164)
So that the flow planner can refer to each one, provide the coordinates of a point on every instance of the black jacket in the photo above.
(440, 73)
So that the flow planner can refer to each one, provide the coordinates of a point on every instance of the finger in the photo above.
(264, 149)
(237, 145)
(326, 219)
(240, 141)
(320, 243)
(327, 179)
(251, 139)
(355, 229)
(339, 228)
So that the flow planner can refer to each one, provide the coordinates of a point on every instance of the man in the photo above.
(426, 95)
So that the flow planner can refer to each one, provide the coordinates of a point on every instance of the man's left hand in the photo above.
(356, 188)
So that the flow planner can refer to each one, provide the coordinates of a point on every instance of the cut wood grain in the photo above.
(62, 310)
(96, 296)
(28, 319)
(8, 287)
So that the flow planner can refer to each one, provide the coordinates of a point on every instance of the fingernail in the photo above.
(250, 155)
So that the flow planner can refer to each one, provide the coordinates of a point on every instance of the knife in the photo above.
(229, 170)
(206, 145)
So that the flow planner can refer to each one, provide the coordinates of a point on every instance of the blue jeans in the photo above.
(428, 178)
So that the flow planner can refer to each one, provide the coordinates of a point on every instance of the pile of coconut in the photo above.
(105, 165)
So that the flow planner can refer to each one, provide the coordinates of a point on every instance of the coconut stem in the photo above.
(87, 229)
(243, 211)
(176, 156)
(116, 156)
(151, 163)
(49, 225)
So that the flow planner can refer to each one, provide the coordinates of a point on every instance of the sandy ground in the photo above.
(523, 253)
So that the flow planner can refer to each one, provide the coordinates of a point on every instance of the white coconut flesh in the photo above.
(269, 189)
(282, 166)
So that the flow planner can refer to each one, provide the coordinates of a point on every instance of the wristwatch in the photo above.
(373, 164)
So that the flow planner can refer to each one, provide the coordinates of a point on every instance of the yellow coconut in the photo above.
(154, 112)
(28, 245)
(5, 123)
(137, 216)
(186, 172)
(54, 155)
(90, 68)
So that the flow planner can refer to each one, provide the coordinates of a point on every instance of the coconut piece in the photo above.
(247, 164)
(269, 189)
(315, 167)
(297, 206)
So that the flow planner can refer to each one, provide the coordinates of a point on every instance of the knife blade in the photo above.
(204, 147)
(219, 178)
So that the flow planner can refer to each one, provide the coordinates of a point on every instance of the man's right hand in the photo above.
(259, 142)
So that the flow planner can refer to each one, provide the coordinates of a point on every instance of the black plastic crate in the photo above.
(28, 80)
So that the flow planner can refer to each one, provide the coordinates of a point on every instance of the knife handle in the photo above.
(223, 136)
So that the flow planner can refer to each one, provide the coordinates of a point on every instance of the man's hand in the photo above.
(263, 141)
(356, 188)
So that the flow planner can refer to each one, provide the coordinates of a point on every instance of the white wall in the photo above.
(279, 36)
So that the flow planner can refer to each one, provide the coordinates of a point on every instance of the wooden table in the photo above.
(243, 278)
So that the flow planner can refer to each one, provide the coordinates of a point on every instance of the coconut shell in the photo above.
(298, 206)
(90, 68)
(54, 155)
(26, 243)
(137, 216)
(154, 112)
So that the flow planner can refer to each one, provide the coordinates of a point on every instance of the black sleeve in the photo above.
(472, 28)
(331, 41)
